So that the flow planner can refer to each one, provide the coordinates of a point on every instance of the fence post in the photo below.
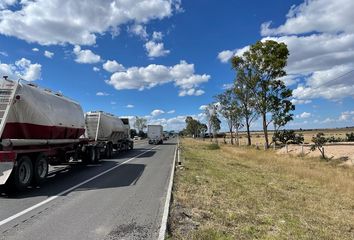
(286, 146)
(302, 150)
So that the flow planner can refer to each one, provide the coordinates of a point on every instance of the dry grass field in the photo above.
(244, 193)
(257, 137)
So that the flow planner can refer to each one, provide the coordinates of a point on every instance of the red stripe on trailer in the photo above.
(7, 156)
(34, 131)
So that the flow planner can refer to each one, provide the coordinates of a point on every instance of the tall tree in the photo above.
(140, 123)
(265, 62)
(243, 89)
(209, 111)
(282, 108)
(215, 125)
(193, 127)
(230, 110)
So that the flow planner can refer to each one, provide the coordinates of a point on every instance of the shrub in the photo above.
(288, 136)
(332, 139)
(213, 146)
(350, 137)
(319, 140)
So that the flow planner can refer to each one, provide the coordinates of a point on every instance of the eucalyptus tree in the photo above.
(264, 64)
(140, 123)
(209, 111)
(229, 108)
(243, 90)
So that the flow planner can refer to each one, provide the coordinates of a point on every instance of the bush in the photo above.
(213, 146)
(288, 136)
(332, 139)
(319, 140)
(350, 137)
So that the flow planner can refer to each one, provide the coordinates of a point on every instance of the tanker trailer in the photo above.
(107, 132)
(37, 128)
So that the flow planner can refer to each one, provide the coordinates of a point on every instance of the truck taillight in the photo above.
(7, 156)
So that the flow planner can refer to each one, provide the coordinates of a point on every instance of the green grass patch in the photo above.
(213, 146)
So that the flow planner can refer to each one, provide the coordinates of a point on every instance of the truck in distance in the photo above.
(155, 134)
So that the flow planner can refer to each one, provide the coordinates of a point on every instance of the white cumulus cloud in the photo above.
(304, 115)
(225, 56)
(77, 22)
(22, 68)
(113, 66)
(155, 49)
(102, 94)
(182, 75)
(85, 56)
(138, 30)
(48, 54)
(157, 112)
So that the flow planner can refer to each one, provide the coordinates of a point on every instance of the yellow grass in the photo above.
(244, 193)
(258, 136)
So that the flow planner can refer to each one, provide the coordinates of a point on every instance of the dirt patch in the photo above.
(340, 152)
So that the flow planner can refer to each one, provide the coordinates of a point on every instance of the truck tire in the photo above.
(90, 155)
(98, 154)
(23, 173)
(109, 151)
(40, 168)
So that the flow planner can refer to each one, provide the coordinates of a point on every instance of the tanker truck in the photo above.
(107, 132)
(39, 128)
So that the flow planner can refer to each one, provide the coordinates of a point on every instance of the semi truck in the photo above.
(39, 127)
(107, 132)
(155, 134)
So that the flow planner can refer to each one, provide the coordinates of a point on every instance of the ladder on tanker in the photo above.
(92, 123)
(7, 93)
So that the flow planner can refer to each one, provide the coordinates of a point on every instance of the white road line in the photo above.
(163, 226)
(9, 219)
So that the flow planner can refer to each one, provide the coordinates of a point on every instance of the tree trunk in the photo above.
(248, 132)
(265, 130)
(237, 138)
(210, 132)
(232, 136)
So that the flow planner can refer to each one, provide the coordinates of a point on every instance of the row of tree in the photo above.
(257, 92)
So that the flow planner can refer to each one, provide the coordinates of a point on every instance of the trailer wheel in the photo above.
(23, 173)
(109, 151)
(40, 168)
(90, 155)
(98, 154)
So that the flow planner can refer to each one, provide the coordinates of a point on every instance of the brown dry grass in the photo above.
(258, 137)
(244, 193)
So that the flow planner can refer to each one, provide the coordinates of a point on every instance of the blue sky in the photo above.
(165, 59)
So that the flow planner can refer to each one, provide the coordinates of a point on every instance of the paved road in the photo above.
(125, 202)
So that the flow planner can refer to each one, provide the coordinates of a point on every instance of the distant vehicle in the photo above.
(155, 134)
(136, 138)
(166, 135)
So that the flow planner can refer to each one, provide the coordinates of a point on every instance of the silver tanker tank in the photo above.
(29, 112)
(101, 126)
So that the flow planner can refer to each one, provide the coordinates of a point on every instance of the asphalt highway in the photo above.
(120, 198)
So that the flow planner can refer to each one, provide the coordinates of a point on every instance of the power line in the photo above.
(345, 74)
